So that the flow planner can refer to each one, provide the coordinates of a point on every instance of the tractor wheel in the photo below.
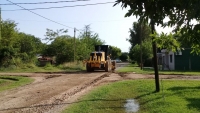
(88, 67)
(113, 65)
(106, 67)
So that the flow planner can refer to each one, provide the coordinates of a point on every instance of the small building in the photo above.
(182, 60)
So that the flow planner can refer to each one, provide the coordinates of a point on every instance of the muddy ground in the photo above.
(53, 92)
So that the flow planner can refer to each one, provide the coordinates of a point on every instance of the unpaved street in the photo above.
(52, 92)
(47, 93)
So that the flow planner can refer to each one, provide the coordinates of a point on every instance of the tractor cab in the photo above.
(100, 59)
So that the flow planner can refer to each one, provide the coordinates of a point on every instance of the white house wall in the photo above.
(171, 64)
(167, 64)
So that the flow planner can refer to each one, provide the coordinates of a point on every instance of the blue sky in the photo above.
(106, 20)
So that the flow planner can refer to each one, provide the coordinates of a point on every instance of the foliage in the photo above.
(86, 43)
(139, 33)
(63, 49)
(62, 46)
(180, 14)
(8, 33)
(16, 46)
(28, 45)
(18, 49)
(7, 55)
(146, 52)
(116, 52)
(51, 35)
(165, 41)
(124, 56)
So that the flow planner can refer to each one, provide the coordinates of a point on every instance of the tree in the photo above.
(166, 41)
(28, 44)
(147, 52)
(7, 55)
(62, 45)
(16, 47)
(87, 42)
(51, 34)
(181, 13)
(116, 52)
(138, 33)
(9, 33)
(9, 36)
(147, 10)
(123, 56)
(63, 48)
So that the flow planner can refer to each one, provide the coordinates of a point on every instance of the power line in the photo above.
(93, 21)
(61, 6)
(46, 2)
(41, 15)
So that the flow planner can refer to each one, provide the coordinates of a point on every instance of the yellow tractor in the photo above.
(100, 59)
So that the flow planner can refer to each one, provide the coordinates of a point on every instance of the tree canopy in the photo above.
(138, 33)
(18, 48)
(179, 14)
(62, 45)
(116, 52)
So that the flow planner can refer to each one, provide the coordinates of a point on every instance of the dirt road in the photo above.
(52, 92)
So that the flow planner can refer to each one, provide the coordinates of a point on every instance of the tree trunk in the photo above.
(141, 62)
(155, 60)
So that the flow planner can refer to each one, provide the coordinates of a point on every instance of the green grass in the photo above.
(136, 69)
(9, 82)
(67, 67)
(177, 96)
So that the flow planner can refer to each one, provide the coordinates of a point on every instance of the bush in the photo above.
(148, 62)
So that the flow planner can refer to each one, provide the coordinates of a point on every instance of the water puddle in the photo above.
(131, 106)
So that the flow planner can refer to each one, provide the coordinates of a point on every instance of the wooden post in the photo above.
(74, 43)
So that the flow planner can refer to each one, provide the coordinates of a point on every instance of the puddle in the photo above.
(131, 106)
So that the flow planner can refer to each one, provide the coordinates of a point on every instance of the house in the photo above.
(182, 60)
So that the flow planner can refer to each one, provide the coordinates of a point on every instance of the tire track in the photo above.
(58, 102)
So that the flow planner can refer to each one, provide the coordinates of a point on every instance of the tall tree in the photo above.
(181, 13)
(51, 34)
(147, 52)
(17, 48)
(124, 56)
(9, 32)
(166, 41)
(88, 39)
(139, 32)
(63, 49)
(116, 52)
(62, 45)
(9, 36)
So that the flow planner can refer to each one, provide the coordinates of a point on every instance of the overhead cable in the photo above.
(41, 15)
(61, 6)
(45, 2)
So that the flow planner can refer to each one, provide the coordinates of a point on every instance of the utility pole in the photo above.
(74, 42)
(86, 32)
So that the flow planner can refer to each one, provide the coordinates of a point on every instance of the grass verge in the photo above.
(9, 82)
(176, 96)
(136, 69)
(67, 67)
